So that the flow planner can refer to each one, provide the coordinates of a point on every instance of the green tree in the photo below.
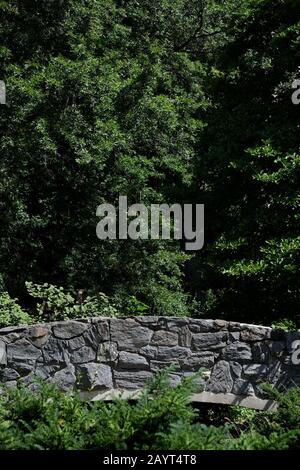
(248, 170)
(102, 102)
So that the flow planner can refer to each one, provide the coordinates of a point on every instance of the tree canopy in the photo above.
(163, 101)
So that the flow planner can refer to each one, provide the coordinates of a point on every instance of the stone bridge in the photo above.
(104, 357)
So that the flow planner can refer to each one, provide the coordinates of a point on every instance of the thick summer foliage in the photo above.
(161, 418)
(164, 101)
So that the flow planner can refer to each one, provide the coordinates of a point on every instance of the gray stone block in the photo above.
(220, 380)
(209, 341)
(65, 379)
(164, 338)
(237, 351)
(221, 324)
(8, 374)
(256, 370)
(255, 333)
(13, 329)
(236, 369)
(174, 380)
(96, 335)
(197, 361)
(129, 335)
(132, 361)
(169, 353)
(22, 355)
(45, 372)
(95, 376)
(150, 352)
(82, 355)
(38, 335)
(243, 387)
(185, 337)
(202, 326)
(76, 343)
(234, 336)
(56, 352)
(107, 352)
(131, 380)
(68, 330)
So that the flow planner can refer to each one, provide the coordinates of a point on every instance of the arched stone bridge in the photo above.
(105, 357)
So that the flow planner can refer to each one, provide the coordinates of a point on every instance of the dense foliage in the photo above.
(162, 418)
(162, 101)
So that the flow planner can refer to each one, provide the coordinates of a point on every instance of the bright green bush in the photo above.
(285, 324)
(11, 313)
(57, 304)
(161, 419)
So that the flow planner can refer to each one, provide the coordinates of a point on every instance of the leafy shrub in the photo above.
(57, 304)
(288, 415)
(285, 324)
(161, 419)
(130, 305)
(11, 313)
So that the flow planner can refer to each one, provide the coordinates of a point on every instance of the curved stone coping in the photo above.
(100, 354)
(203, 397)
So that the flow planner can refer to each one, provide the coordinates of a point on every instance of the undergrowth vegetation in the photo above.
(161, 418)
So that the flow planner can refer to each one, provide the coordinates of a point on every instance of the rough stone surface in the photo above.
(236, 369)
(220, 380)
(234, 336)
(255, 370)
(77, 343)
(94, 376)
(238, 351)
(209, 341)
(185, 337)
(202, 326)
(122, 353)
(164, 338)
(98, 333)
(45, 372)
(68, 330)
(65, 379)
(254, 333)
(131, 380)
(8, 374)
(13, 329)
(38, 335)
(56, 352)
(243, 387)
(107, 352)
(132, 361)
(149, 351)
(167, 353)
(22, 355)
(82, 355)
(129, 335)
(199, 360)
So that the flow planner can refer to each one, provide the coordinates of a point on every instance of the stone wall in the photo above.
(104, 354)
